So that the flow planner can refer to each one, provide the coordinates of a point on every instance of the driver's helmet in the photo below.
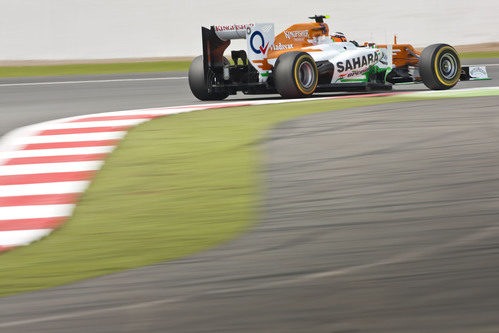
(338, 37)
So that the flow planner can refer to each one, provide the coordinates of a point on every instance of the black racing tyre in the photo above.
(439, 66)
(295, 75)
(198, 84)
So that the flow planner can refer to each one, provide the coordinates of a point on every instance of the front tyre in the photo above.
(439, 66)
(295, 75)
(200, 86)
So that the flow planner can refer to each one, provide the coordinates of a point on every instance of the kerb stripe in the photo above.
(56, 159)
(46, 178)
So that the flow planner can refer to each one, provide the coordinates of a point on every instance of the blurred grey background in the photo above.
(96, 29)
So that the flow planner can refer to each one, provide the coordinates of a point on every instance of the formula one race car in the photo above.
(304, 59)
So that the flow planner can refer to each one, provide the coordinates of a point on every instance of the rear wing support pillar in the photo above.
(213, 52)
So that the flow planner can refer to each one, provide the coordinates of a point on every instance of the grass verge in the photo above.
(479, 55)
(175, 186)
(83, 69)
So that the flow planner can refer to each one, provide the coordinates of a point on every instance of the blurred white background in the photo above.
(99, 29)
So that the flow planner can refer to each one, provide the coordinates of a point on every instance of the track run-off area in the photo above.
(309, 263)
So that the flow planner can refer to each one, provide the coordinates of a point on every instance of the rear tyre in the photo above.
(295, 75)
(439, 66)
(199, 86)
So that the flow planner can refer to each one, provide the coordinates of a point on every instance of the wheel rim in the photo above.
(448, 66)
(306, 75)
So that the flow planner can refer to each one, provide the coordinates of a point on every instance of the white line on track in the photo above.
(27, 169)
(125, 122)
(43, 188)
(72, 137)
(91, 81)
(21, 237)
(156, 111)
(35, 212)
(58, 152)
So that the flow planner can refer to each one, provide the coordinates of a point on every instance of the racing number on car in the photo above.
(261, 49)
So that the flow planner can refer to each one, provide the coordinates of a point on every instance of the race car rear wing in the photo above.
(216, 39)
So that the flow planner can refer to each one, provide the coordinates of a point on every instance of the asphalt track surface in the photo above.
(376, 219)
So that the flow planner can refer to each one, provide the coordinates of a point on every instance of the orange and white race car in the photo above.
(305, 58)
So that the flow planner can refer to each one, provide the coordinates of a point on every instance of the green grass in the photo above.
(175, 186)
(82, 69)
(479, 55)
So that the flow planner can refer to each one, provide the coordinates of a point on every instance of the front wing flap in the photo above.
(472, 73)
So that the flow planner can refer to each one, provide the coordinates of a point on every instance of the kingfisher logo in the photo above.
(260, 47)
(296, 34)
(232, 27)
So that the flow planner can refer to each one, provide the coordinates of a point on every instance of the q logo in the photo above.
(261, 49)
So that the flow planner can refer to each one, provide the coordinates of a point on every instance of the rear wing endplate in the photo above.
(213, 52)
